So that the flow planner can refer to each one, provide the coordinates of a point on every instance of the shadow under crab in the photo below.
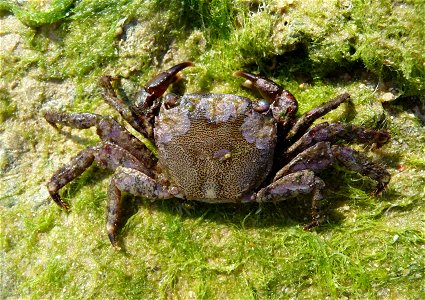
(216, 148)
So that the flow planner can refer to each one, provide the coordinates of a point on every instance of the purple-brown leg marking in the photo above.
(141, 114)
(334, 132)
(315, 158)
(107, 155)
(361, 164)
(110, 96)
(322, 155)
(135, 183)
(290, 186)
(305, 121)
(108, 130)
(68, 172)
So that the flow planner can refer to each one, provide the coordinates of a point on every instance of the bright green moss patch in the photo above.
(35, 13)
(52, 55)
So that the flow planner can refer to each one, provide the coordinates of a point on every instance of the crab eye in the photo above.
(262, 106)
(171, 100)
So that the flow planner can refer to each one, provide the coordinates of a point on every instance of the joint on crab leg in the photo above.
(316, 158)
(336, 132)
(289, 186)
(361, 164)
(322, 155)
(107, 129)
(136, 183)
(110, 97)
(68, 172)
(292, 185)
(106, 155)
(110, 156)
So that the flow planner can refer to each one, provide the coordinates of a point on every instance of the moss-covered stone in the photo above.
(52, 54)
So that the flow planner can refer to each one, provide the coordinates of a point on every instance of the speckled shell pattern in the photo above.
(215, 147)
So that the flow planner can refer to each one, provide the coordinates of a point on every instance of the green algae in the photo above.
(7, 107)
(386, 37)
(368, 248)
(31, 14)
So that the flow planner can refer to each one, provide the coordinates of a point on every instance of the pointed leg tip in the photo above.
(113, 241)
(49, 116)
(116, 247)
(58, 200)
(379, 190)
(311, 225)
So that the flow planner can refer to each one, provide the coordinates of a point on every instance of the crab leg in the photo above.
(315, 158)
(110, 97)
(140, 115)
(292, 185)
(107, 155)
(303, 123)
(108, 130)
(68, 172)
(322, 155)
(361, 164)
(131, 181)
(334, 132)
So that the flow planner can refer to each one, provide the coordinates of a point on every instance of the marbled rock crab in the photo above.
(215, 147)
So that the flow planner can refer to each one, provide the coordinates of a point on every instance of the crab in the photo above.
(215, 148)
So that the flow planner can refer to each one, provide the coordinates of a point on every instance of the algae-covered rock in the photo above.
(52, 54)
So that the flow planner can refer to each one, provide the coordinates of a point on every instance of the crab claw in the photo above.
(267, 88)
(284, 105)
(159, 84)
